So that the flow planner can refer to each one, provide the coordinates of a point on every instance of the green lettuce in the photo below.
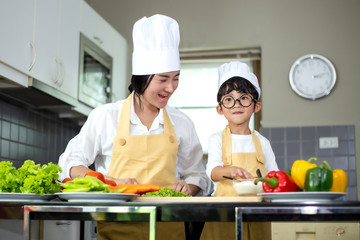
(30, 178)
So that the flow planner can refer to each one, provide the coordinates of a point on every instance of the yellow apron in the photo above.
(149, 159)
(250, 161)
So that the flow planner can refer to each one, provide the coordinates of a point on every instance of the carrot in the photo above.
(136, 188)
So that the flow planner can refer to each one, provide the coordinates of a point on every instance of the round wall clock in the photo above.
(312, 76)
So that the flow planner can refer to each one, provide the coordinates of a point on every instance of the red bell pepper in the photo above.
(277, 181)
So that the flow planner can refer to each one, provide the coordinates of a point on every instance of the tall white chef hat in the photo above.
(156, 42)
(237, 69)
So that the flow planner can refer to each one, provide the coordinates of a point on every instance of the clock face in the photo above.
(312, 76)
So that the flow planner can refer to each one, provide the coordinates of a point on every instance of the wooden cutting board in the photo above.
(200, 199)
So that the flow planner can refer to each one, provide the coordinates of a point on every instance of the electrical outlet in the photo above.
(328, 142)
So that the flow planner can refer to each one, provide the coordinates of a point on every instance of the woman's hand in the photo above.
(123, 180)
(182, 186)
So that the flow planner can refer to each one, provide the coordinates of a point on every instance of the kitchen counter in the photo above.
(194, 211)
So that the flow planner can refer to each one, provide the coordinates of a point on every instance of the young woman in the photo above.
(141, 139)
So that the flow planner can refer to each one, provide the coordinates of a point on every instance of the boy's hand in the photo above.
(237, 172)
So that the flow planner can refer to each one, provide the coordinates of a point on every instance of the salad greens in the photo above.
(165, 192)
(30, 178)
(85, 184)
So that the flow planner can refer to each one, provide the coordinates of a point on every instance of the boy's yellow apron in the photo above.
(149, 159)
(250, 161)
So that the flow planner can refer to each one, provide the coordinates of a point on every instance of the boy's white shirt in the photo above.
(240, 143)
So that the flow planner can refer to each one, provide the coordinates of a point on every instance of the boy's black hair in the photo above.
(238, 84)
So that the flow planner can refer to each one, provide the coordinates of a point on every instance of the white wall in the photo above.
(285, 30)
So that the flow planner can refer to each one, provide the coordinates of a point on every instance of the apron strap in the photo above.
(226, 147)
(258, 149)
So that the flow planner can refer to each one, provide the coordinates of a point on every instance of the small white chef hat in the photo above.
(156, 45)
(237, 69)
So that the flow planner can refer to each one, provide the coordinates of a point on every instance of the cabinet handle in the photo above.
(99, 40)
(33, 55)
(59, 72)
(63, 223)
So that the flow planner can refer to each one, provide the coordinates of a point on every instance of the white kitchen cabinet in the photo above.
(100, 32)
(56, 38)
(16, 28)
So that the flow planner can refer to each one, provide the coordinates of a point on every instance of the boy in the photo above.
(237, 152)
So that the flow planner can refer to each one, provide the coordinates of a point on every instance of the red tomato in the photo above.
(66, 180)
(110, 182)
(98, 175)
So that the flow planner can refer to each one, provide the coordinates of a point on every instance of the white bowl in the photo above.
(245, 187)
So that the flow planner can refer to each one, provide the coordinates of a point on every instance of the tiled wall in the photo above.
(293, 143)
(29, 134)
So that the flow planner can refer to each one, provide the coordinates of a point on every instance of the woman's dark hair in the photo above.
(238, 84)
(139, 83)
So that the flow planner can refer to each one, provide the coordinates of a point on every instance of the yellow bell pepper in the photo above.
(339, 181)
(299, 169)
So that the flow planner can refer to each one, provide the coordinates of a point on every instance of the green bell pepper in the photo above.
(319, 178)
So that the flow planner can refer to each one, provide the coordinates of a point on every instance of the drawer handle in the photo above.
(63, 223)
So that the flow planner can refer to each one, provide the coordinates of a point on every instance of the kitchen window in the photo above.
(197, 90)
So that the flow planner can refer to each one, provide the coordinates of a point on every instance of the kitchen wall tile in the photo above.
(341, 132)
(278, 148)
(293, 134)
(277, 134)
(324, 131)
(351, 148)
(5, 148)
(22, 134)
(6, 109)
(293, 148)
(341, 162)
(5, 129)
(351, 132)
(307, 133)
(352, 162)
(14, 150)
(343, 148)
(14, 132)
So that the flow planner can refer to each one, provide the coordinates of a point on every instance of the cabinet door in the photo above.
(16, 28)
(46, 40)
(68, 49)
(57, 44)
(94, 27)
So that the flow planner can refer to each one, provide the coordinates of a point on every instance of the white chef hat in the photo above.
(156, 45)
(237, 69)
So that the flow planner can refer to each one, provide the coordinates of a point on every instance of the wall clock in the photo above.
(312, 76)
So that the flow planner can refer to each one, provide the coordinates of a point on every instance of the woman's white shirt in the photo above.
(94, 143)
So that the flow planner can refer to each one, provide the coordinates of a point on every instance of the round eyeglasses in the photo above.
(245, 101)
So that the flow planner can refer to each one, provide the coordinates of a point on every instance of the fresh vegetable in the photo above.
(97, 175)
(165, 192)
(299, 169)
(110, 182)
(66, 180)
(85, 184)
(136, 188)
(319, 178)
(9, 180)
(339, 181)
(29, 178)
(277, 181)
